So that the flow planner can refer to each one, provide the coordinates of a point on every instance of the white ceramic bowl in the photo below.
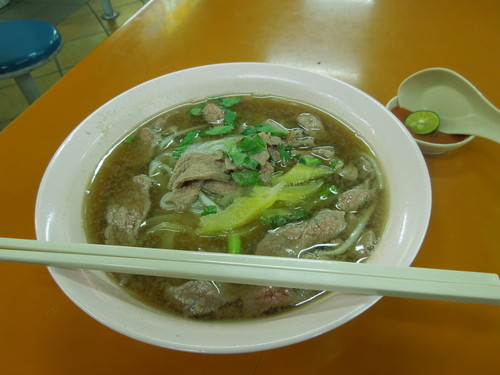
(430, 148)
(60, 201)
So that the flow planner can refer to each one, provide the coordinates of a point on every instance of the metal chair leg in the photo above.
(109, 12)
(28, 87)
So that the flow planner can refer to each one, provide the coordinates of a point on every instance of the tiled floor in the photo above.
(82, 29)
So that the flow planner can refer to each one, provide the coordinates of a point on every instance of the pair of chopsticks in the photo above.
(370, 279)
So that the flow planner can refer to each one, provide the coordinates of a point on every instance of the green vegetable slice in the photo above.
(422, 122)
(242, 211)
(302, 172)
(309, 160)
(295, 193)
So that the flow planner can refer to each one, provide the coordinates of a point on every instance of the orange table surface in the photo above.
(372, 44)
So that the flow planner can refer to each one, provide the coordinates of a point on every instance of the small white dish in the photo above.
(431, 148)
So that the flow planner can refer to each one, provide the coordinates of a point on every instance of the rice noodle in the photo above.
(167, 206)
(207, 201)
(353, 237)
(376, 169)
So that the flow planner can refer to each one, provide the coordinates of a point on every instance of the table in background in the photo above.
(371, 44)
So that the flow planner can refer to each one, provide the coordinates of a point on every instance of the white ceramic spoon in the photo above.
(460, 105)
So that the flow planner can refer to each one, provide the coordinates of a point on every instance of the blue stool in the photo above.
(26, 45)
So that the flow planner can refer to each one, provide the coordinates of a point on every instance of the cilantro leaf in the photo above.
(228, 102)
(229, 117)
(188, 139)
(179, 151)
(240, 159)
(195, 111)
(246, 178)
(130, 139)
(212, 209)
(285, 155)
(251, 164)
(252, 145)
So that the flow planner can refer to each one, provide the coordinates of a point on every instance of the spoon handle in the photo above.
(481, 127)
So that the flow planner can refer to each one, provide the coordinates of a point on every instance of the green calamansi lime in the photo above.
(422, 122)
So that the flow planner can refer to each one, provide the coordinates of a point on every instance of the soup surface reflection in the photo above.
(238, 174)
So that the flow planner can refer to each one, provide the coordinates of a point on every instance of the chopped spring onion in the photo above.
(309, 160)
(234, 244)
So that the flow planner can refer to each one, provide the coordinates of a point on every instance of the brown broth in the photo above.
(115, 171)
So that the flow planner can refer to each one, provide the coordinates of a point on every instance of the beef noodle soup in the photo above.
(238, 174)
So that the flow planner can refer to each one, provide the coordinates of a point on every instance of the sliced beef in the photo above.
(311, 123)
(213, 114)
(143, 147)
(261, 157)
(220, 187)
(266, 172)
(287, 241)
(354, 199)
(184, 196)
(257, 300)
(324, 152)
(199, 297)
(271, 140)
(297, 138)
(127, 211)
(349, 172)
(274, 153)
(198, 166)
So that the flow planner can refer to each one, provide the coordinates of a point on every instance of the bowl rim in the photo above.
(88, 288)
